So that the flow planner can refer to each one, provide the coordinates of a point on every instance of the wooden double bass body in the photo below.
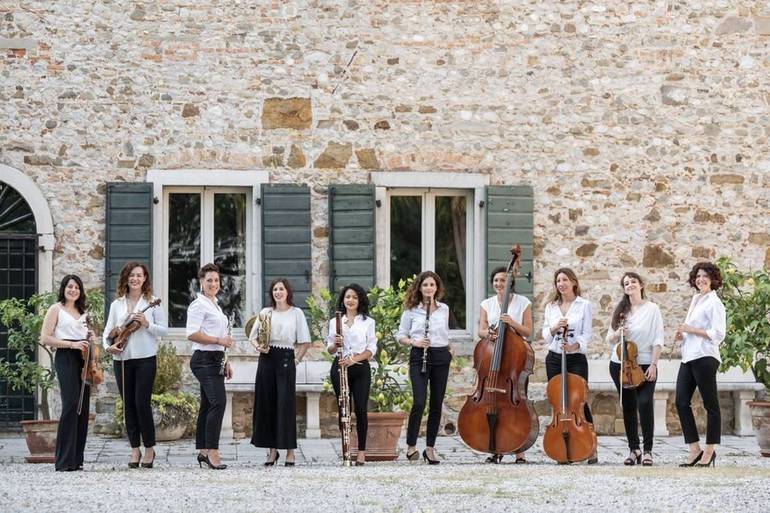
(569, 437)
(497, 418)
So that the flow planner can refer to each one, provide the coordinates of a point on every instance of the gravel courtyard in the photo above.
(740, 482)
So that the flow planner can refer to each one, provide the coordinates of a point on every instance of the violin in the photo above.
(569, 437)
(119, 335)
(631, 375)
(498, 418)
(91, 374)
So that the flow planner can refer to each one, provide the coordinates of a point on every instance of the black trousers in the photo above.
(138, 381)
(700, 373)
(73, 428)
(640, 399)
(437, 375)
(359, 382)
(275, 403)
(205, 366)
(576, 364)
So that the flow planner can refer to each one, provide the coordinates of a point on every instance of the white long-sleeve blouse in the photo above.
(579, 318)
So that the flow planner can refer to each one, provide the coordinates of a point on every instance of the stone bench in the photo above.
(310, 379)
(742, 385)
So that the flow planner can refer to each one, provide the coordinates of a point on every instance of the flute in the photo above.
(424, 369)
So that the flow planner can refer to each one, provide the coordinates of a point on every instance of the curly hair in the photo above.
(363, 299)
(711, 269)
(414, 295)
(624, 305)
(122, 289)
(569, 273)
(80, 303)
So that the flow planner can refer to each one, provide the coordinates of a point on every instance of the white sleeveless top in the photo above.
(69, 328)
(516, 308)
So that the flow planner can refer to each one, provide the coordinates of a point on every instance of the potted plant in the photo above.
(173, 411)
(389, 396)
(32, 370)
(746, 296)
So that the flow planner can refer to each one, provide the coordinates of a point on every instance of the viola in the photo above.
(91, 374)
(119, 335)
(569, 437)
(631, 375)
(497, 418)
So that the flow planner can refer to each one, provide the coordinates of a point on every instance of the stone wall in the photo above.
(643, 127)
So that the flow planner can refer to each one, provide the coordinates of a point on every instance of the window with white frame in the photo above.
(433, 221)
(202, 225)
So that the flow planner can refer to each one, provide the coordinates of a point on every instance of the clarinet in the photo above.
(424, 369)
(223, 364)
(344, 401)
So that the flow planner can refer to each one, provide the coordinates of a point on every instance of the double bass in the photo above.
(497, 418)
(569, 437)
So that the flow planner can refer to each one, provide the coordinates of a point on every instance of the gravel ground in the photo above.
(740, 482)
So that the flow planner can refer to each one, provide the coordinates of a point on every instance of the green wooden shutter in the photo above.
(510, 221)
(286, 239)
(129, 231)
(351, 236)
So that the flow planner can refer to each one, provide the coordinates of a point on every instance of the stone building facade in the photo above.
(642, 128)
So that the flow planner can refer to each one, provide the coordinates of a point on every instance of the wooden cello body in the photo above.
(569, 437)
(497, 418)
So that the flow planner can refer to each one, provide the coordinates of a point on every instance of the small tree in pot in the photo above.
(746, 296)
(389, 396)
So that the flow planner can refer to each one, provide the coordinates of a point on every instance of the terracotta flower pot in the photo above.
(381, 437)
(41, 440)
(760, 419)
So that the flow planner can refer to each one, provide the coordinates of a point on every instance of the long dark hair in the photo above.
(80, 303)
(289, 292)
(413, 293)
(363, 299)
(624, 305)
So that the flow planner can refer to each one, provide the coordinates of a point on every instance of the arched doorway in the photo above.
(26, 267)
(18, 279)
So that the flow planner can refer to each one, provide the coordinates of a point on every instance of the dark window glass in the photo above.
(405, 237)
(184, 254)
(230, 253)
(451, 247)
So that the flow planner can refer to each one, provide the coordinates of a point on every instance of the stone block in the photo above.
(701, 252)
(293, 113)
(733, 25)
(704, 216)
(762, 25)
(656, 256)
(760, 238)
(727, 179)
(586, 250)
(367, 158)
(335, 156)
(671, 95)
(189, 110)
(296, 157)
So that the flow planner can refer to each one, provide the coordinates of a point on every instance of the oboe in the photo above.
(344, 400)
(424, 369)
(223, 364)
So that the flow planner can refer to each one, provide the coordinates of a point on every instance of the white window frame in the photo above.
(440, 183)
(203, 181)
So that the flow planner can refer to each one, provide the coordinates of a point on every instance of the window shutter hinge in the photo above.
(378, 203)
(155, 200)
(258, 201)
(481, 204)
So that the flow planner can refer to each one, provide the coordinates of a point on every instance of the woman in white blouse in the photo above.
(352, 349)
(208, 328)
(700, 335)
(643, 326)
(432, 343)
(65, 328)
(566, 308)
(137, 357)
(275, 409)
(518, 317)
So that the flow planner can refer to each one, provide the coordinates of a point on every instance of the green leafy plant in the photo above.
(173, 406)
(389, 391)
(746, 296)
(31, 366)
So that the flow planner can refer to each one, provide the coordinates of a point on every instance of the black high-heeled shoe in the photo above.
(207, 461)
(413, 456)
(711, 463)
(270, 463)
(149, 464)
(693, 462)
(430, 461)
(495, 459)
(201, 459)
(135, 464)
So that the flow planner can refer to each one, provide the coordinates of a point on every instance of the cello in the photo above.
(497, 418)
(569, 437)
